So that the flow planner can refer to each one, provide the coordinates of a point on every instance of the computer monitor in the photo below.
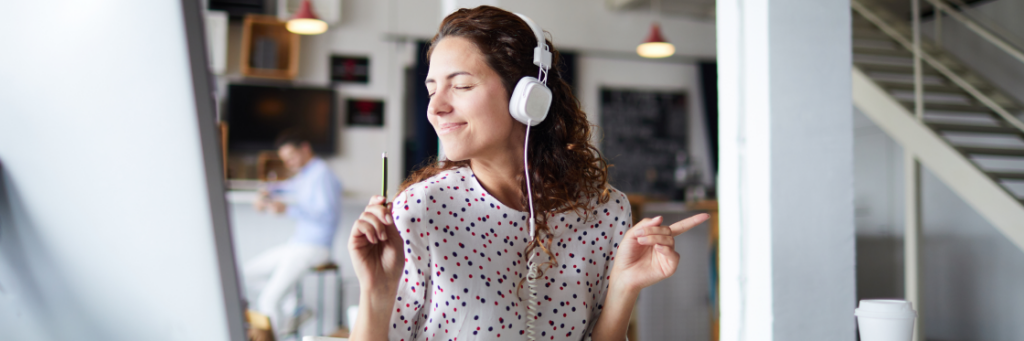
(113, 222)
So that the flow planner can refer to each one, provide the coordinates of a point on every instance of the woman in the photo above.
(449, 258)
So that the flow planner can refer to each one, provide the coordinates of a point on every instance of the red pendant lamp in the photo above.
(655, 46)
(305, 21)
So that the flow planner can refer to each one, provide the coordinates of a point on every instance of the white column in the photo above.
(786, 171)
(912, 187)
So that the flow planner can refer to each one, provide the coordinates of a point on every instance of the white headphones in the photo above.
(529, 104)
(531, 98)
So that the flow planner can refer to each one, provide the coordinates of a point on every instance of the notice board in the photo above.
(644, 134)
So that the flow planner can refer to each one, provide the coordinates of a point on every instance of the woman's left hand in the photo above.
(647, 253)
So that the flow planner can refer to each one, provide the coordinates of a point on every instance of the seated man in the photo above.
(315, 208)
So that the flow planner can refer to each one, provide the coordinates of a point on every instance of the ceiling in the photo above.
(705, 9)
(696, 9)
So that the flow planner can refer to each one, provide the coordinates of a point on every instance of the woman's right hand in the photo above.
(376, 249)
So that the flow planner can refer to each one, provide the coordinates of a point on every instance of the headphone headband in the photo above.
(541, 54)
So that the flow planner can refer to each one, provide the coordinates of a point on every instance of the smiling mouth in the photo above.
(449, 127)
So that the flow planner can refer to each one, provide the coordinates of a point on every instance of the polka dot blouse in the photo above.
(463, 263)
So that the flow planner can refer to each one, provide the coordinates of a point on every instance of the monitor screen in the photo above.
(258, 114)
(113, 218)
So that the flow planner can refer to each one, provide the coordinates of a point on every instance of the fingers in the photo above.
(656, 239)
(363, 233)
(370, 226)
(642, 224)
(686, 224)
(383, 213)
(278, 207)
(378, 216)
(667, 250)
(376, 200)
(648, 232)
(671, 256)
(651, 229)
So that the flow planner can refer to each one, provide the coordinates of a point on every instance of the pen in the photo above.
(384, 178)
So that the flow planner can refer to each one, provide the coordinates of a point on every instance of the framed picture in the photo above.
(348, 69)
(365, 112)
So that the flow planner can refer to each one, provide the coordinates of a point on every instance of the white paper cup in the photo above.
(885, 320)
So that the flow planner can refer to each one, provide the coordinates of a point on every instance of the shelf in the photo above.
(268, 49)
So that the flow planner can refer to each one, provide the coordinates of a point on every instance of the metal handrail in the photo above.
(934, 63)
(980, 30)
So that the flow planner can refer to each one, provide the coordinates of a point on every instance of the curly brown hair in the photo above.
(567, 172)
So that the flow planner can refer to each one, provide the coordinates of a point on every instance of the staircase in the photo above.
(969, 131)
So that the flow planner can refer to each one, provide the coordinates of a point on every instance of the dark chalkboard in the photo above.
(644, 133)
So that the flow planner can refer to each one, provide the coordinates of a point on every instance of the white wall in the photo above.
(972, 274)
(588, 25)
(375, 28)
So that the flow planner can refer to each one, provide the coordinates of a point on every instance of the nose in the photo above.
(439, 103)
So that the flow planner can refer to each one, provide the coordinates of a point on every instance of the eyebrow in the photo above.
(450, 76)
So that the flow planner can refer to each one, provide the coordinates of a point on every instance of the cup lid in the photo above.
(894, 309)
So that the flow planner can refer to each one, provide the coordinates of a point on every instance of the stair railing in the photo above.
(980, 96)
(941, 6)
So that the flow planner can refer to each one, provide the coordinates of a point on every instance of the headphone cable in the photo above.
(531, 276)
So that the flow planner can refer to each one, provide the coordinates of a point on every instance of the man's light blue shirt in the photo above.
(316, 203)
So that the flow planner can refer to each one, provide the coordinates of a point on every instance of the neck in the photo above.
(498, 175)
(304, 163)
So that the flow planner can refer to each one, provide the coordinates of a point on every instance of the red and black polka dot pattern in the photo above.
(464, 262)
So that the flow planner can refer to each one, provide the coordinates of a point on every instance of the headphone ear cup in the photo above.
(530, 101)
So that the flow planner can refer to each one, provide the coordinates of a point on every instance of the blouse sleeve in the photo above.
(622, 222)
(410, 301)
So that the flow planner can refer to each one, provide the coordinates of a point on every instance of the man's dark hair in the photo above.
(291, 137)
